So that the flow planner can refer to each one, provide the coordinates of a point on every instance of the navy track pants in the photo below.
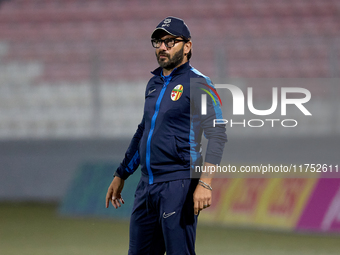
(163, 219)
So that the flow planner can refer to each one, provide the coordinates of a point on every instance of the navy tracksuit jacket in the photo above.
(167, 143)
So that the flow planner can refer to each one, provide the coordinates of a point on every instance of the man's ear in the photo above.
(187, 47)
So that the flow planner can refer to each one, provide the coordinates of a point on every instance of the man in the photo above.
(167, 145)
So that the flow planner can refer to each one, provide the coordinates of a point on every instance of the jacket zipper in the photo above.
(153, 122)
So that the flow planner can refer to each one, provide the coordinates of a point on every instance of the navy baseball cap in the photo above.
(173, 26)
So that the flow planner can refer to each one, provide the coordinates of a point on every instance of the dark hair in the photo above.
(189, 55)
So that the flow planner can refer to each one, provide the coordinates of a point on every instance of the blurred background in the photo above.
(72, 80)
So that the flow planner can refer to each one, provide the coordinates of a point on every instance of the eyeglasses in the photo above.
(169, 42)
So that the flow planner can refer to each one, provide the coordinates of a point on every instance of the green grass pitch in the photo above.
(36, 229)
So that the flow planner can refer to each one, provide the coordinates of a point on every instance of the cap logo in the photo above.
(166, 23)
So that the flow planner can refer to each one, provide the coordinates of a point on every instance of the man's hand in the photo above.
(202, 197)
(114, 193)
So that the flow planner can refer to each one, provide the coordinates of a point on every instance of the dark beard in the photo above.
(173, 62)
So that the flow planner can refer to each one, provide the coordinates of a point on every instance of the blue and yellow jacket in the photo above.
(167, 143)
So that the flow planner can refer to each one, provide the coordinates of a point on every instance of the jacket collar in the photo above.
(181, 69)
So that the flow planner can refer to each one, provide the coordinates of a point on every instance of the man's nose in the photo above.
(163, 46)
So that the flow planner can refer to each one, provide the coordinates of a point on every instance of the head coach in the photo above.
(166, 146)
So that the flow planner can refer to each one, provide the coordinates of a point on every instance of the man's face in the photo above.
(169, 58)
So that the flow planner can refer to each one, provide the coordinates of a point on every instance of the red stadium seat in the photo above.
(265, 38)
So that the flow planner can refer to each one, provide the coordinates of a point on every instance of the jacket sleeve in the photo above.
(215, 133)
(132, 159)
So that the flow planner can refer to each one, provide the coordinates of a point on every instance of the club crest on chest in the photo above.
(177, 92)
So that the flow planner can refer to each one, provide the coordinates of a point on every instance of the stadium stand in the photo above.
(74, 42)
(100, 24)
